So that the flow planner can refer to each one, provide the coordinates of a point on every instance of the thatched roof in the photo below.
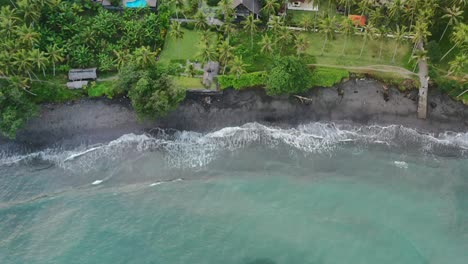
(82, 74)
(252, 5)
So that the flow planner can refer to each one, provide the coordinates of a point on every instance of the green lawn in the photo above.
(189, 82)
(333, 51)
(101, 88)
(182, 49)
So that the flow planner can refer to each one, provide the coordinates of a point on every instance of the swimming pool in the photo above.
(136, 3)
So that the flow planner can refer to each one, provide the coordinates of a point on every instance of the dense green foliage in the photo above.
(289, 75)
(15, 109)
(151, 90)
(327, 77)
(40, 38)
(247, 80)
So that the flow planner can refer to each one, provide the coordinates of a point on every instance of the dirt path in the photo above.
(381, 68)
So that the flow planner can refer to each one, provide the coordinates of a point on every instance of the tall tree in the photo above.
(266, 44)
(459, 38)
(270, 7)
(457, 65)
(226, 8)
(453, 14)
(301, 44)
(399, 35)
(144, 57)
(177, 34)
(206, 53)
(327, 27)
(250, 24)
(200, 20)
(55, 55)
(347, 28)
(307, 23)
(225, 53)
(275, 24)
(238, 66)
(369, 33)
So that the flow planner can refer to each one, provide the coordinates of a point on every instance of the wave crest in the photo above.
(185, 149)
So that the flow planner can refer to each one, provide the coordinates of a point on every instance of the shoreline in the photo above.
(91, 121)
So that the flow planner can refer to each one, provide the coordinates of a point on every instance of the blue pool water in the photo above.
(136, 3)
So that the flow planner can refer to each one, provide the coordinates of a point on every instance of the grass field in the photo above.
(190, 82)
(334, 51)
(182, 49)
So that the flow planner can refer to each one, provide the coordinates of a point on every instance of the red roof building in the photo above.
(358, 20)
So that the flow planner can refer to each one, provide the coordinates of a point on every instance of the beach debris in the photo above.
(303, 99)
(386, 94)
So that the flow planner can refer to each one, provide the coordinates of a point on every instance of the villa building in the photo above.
(244, 8)
(303, 5)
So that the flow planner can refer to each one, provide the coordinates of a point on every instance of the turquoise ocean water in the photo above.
(319, 193)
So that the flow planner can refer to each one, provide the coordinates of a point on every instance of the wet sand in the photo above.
(91, 121)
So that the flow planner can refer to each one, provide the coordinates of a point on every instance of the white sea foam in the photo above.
(401, 164)
(185, 149)
(96, 182)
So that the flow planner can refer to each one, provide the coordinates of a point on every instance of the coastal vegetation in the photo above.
(153, 56)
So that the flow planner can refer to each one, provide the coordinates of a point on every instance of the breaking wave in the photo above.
(185, 149)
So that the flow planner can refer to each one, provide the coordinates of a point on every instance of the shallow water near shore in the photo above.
(317, 193)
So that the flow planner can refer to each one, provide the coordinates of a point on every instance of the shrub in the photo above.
(327, 77)
(289, 75)
(212, 2)
(188, 25)
(247, 80)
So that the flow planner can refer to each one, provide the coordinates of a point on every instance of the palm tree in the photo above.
(459, 38)
(228, 29)
(301, 44)
(275, 24)
(38, 59)
(226, 7)
(420, 34)
(190, 70)
(122, 57)
(266, 44)
(462, 3)
(250, 24)
(307, 23)
(284, 38)
(200, 20)
(238, 66)
(55, 55)
(206, 37)
(457, 65)
(22, 62)
(327, 27)
(419, 56)
(453, 14)
(206, 53)
(398, 35)
(369, 32)
(396, 9)
(176, 33)
(30, 9)
(144, 56)
(382, 36)
(365, 6)
(270, 7)
(347, 28)
(27, 35)
(225, 53)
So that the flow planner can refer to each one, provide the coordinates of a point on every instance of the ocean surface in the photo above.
(317, 193)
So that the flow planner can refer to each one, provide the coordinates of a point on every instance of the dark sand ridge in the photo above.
(91, 121)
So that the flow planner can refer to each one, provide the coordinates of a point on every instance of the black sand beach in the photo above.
(91, 121)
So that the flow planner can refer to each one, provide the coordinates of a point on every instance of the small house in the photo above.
(244, 8)
(358, 20)
(303, 5)
(82, 74)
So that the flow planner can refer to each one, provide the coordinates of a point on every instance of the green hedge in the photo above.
(327, 77)
(244, 81)
(321, 76)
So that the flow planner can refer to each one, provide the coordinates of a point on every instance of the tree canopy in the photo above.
(289, 75)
